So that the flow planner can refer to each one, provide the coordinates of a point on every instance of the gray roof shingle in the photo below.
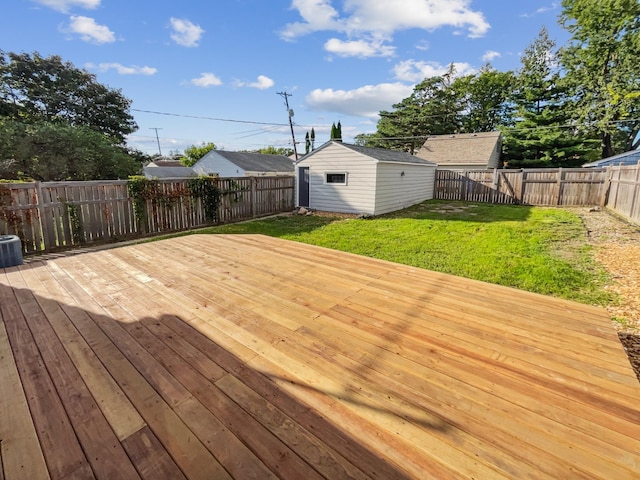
(257, 162)
(384, 155)
(460, 148)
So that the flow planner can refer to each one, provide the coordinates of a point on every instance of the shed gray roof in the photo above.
(460, 148)
(380, 154)
(256, 162)
(631, 157)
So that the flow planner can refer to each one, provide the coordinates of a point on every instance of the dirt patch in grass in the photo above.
(617, 248)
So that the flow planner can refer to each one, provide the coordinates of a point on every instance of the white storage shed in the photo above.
(339, 177)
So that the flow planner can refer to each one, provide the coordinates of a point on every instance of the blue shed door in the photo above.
(303, 186)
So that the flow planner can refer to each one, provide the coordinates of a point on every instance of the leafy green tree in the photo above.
(271, 150)
(195, 152)
(485, 99)
(47, 151)
(602, 66)
(34, 88)
(432, 109)
(543, 135)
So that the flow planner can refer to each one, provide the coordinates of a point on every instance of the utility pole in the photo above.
(286, 96)
(157, 138)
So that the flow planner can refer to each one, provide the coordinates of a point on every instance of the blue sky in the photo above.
(201, 64)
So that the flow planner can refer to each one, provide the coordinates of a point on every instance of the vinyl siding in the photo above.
(357, 196)
(395, 191)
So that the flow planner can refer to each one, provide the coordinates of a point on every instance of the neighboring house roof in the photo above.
(462, 148)
(165, 163)
(379, 154)
(168, 172)
(255, 162)
(631, 157)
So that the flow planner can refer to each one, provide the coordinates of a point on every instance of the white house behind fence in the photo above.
(243, 164)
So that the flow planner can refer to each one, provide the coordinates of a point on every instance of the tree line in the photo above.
(563, 107)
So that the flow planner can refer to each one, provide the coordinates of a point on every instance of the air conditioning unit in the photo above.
(10, 251)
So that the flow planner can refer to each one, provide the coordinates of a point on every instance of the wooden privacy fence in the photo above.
(549, 186)
(623, 191)
(53, 216)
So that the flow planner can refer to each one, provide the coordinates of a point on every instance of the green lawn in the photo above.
(538, 249)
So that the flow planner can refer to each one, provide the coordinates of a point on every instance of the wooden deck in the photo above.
(248, 357)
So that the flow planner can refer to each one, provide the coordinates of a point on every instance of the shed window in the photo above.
(336, 178)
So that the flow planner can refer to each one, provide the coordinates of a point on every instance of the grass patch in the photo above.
(541, 250)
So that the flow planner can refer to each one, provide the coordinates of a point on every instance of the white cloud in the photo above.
(318, 15)
(383, 18)
(553, 6)
(416, 71)
(358, 48)
(490, 55)
(185, 33)
(206, 80)
(262, 83)
(423, 45)
(65, 5)
(90, 31)
(365, 101)
(121, 69)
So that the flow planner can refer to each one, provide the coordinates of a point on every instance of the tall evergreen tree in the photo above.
(313, 139)
(542, 135)
(307, 143)
(334, 131)
(339, 131)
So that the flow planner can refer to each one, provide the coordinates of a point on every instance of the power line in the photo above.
(209, 118)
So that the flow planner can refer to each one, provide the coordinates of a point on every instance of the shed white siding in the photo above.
(402, 185)
(214, 163)
(356, 196)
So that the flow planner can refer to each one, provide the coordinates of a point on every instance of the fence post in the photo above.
(636, 187)
(45, 223)
(559, 183)
(254, 193)
(606, 188)
(494, 186)
(523, 182)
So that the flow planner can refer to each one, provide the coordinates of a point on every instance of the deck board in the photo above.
(249, 357)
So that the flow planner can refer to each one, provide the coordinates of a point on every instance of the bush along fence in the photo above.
(55, 216)
(614, 187)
